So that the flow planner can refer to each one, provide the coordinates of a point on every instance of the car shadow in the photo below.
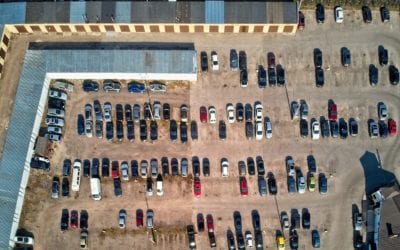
(375, 176)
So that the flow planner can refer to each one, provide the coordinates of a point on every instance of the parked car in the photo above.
(303, 128)
(80, 125)
(184, 133)
(295, 110)
(382, 111)
(124, 171)
(212, 112)
(320, 13)
(206, 167)
(158, 87)
(136, 112)
(166, 111)
(120, 131)
(204, 61)
(332, 111)
(149, 187)
(339, 16)
(84, 218)
(174, 167)
(334, 128)
(74, 219)
(243, 78)
(65, 187)
(56, 112)
(242, 60)
(200, 222)
(173, 130)
(255, 217)
(262, 77)
(111, 85)
(302, 22)
(315, 239)
(115, 170)
(233, 59)
(25, 240)
(260, 166)
(385, 14)
(154, 168)
(285, 220)
(66, 167)
(357, 221)
(203, 114)
(143, 130)
(237, 220)
(383, 129)
(262, 185)
(306, 219)
(383, 55)
(394, 75)
(224, 167)
(191, 237)
(353, 127)
(373, 129)
(134, 168)
(184, 167)
(319, 77)
(64, 220)
(318, 58)
(367, 14)
(312, 164)
(392, 127)
(271, 77)
(150, 218)
(373, 75)
(258, 112)
(271, 59)
(164, 166)
(251, 166)
(242, 168)
(58, 94)
(222, 130)
(290, 166)
(311, 182)
(244, 190)
(280, 75)
(343, 128)
(249, 239)
(214, 61)
(55, 187)
(346, 56)
(153, 131)
(249, 130)
(197, 187)
(196, 166)
(301, 183)
(303, 109)
(323, 184)
(258, 130)
(86, 168)
(90, 86)
(325, 132)
(109, 131)
(315, 130)
(136, 87)
(272, 186)
(248, 112)
(230, 113)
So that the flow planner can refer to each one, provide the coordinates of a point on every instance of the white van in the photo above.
(95, 187)
(160, 190)
(76, 175)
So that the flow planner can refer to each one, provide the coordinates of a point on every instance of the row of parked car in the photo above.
(139, 217)
(74, 221)
(110, 85)
(55, 114)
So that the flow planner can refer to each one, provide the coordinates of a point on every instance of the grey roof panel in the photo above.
(123, 12)
(245, 12)
(77, 12)
(153, 12)
(281, 12)
(214, 11)
(51, 12)
(11, 13)
(197, 12)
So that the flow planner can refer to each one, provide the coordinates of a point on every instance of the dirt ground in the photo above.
(349, 88)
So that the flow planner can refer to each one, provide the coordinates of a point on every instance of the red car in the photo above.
(332, 111)
(244, 191)
(392, 127)
(203, 114)
(271, 60)
(210, 223)
(197, 187)
(115, 170)
(74, 219)
(139, 218)
(302, 21)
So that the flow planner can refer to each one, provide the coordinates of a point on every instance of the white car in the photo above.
(122, 218)
(56, 112)
(230, 113)
(358, 221)
(26, 240)
(258, 116)
(58, 95)
(259, 130)
(268, 129)
(301, 184)
(249, 239)
(54, 137)
(315, 130)
(89, 129)
(124, 171)
(107, 112)
(285, 221)
(290, 167)
(224, 167)
(55, 121)
(382, 111)
(54, 129)
(214, 61)
(373, 130)
(339, 16)
(212, 113)
(157, 110)
(143, 169)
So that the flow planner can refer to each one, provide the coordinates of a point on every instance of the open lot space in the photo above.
(330, 213)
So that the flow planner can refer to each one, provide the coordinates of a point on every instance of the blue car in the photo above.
(90, 86)
(136, 87)
(315, 239)
(81, 125)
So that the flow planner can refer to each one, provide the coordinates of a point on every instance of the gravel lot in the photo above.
(348, 87)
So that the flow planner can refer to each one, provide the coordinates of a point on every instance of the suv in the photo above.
(320, 13)
(290, 167)
(262, 77)
(111, 85)
(214, 61)
(346, 57)
(204, 61)
(233, 60)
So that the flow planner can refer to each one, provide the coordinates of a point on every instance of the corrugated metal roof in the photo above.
(12, 13)
(123, 12)
(214, 11)
(77, 12)
(245, 12)
(281, 12)
(48, 12)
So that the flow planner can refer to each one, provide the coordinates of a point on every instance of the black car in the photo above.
(312, 165)
(119, 113)
(66, 167)
(95, 168)
(373, 75)
(258, 239)
(174, 167)
(128, 112)
(134, 168)
(334, 129)
(166, 111)
(393, 75)
(255, 216)
(173, 130)
(306, 219)
(55, 103)
(193, 130)
(99, 129)
(319, 77)
(206, 167)
(84, 220)
(242, 60)
(367, 14)
(318, 58)
(320, 13)
(233, 58)
(184, 132)
(385, 14)
(248, 112)
(343, 128)
(251, 166)
(303, 128)
(231, 240)
(97, 110)
(40, 163)
(147, 111)
(200, 222)
(164, 166)
(117, 187)
(64, 220)
(383, 129)
(273, 188)
(90, 86)
(130, 130)
(294, 239)
(120, 130)
(143, 130)
(239, 112)
(80, 125)
(222, 130)
(353, 127)
(280, 74)
(153, 131)
(346, 56)
(109, 131)
(105, 167)
(325, 128)
(196, 166)
(243, 78)
(237, 218)
(240, 240)
(86, 168)
(260, 166)
(383, 55)
(65, 187)
(262, 77)
(204, 61)
(271, 77)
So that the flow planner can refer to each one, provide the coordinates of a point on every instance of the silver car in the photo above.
(303, 109)
(154, 168)
(122, 218)
(143, 168)
(262, 186)
(111, 85)
(56, 112)
(55, 188)
(295, 110)
(136, 112)
(150, 218)
(124, 171)
(184, 167)
(88, 112)
(157, 110)
(55, 121)
(107, 112)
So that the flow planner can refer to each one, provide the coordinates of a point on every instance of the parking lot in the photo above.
(338, 158)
